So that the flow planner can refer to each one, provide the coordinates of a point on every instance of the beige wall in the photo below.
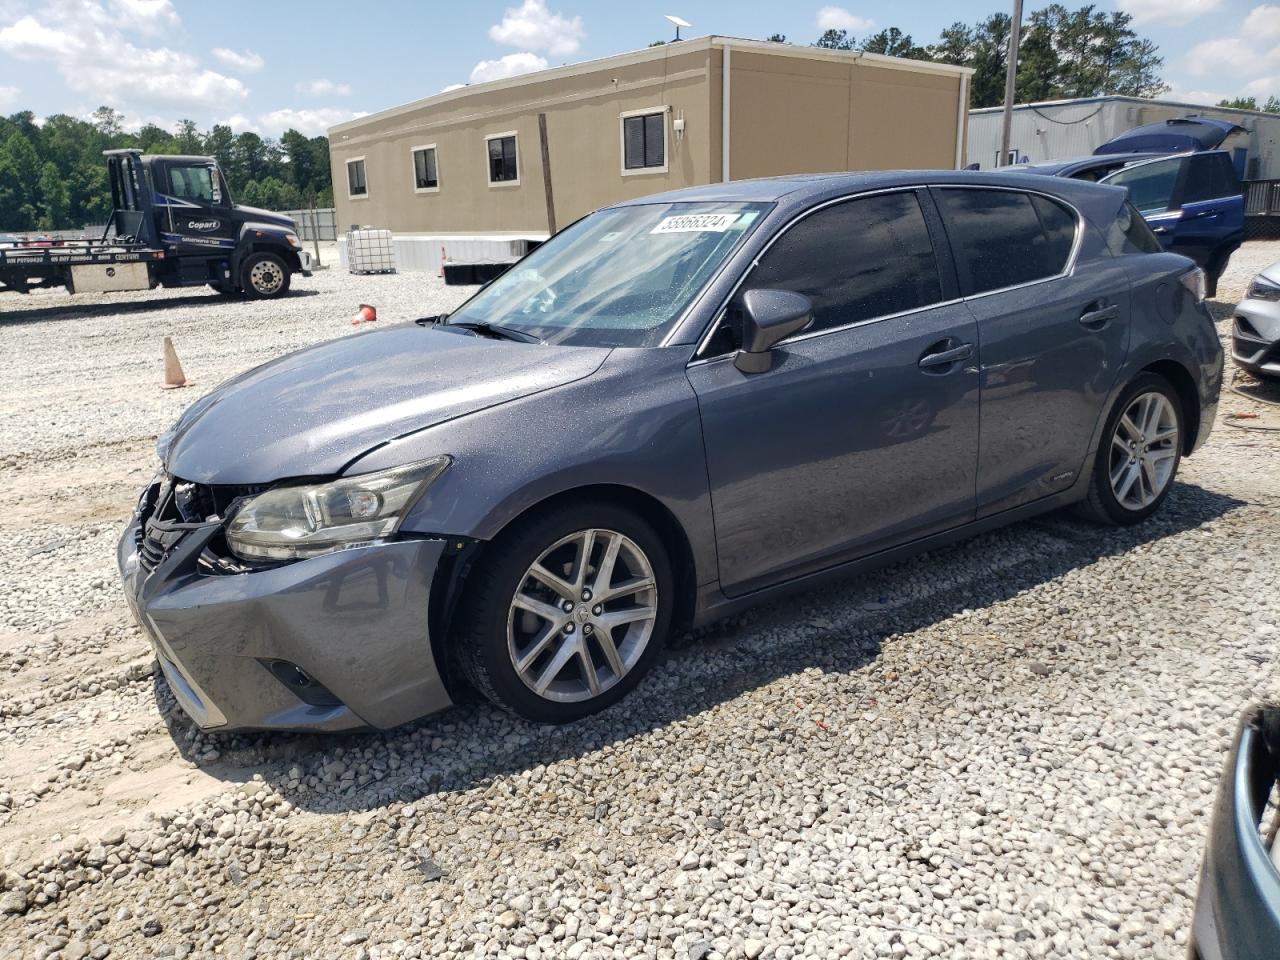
(584, 140)
(794, 115)
(795, 112)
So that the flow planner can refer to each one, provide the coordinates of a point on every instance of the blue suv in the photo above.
(1193, 202)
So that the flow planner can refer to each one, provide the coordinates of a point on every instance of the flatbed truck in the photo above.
(173, 224)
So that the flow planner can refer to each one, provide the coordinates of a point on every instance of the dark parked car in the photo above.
(1237, 913)
(1194, 202)
(676, 407)
(1091, 169)
(1255, 333)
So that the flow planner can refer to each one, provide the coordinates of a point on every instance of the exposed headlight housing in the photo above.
(1263, 289)
(307, 520)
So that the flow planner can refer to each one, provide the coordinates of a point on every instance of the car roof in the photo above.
(805, 189)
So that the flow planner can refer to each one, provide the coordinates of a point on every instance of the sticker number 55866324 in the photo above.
(696, 223)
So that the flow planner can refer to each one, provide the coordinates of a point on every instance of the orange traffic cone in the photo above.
(173, 375)
(366, 314)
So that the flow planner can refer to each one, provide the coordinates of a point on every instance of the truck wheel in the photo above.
(264, 275)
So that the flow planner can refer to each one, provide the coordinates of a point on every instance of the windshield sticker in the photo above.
(697, 223)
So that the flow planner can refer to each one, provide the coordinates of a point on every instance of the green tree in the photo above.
(894, 43)
(19, 173)
(55, 199)
(1240, 103)
(835, 40)
(777, 38)
(109, 121)
(187, 137)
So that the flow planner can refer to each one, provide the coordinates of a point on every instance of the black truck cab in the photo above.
(181, 205)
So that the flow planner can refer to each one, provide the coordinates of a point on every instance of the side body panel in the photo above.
(633, 425)
(1046, 376)
(844, 446)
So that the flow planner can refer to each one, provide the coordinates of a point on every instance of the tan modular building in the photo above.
(527, 155)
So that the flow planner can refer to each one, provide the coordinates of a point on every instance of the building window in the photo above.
(644, 141)
(357, 187)
(426, 178)
(503, 160)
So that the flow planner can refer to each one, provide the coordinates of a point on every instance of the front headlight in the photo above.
(292, 240)
(1262, 289)
(293, 522)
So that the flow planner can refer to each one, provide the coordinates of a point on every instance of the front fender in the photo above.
(633, 424)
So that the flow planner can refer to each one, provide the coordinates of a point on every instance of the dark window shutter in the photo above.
(633, 142)
(653, 145)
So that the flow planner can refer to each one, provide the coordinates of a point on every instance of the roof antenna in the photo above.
(679, 22)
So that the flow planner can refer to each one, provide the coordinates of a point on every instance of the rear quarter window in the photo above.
(1003, 238)
(1129, 233)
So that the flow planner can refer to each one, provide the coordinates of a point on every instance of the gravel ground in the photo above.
(1007, 748)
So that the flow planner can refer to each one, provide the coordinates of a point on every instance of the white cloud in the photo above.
(838, 18)
(1218, 56)
(88, 45)
(310, 122)
(1173, 12)
(323, 88)
(8, 97)
(1206, 97)
(531, 26)
(453, 86)
(149, 17)
(512, 65)
(246, 61)
(1263, 23)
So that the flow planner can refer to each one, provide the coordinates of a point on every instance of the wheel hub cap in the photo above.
(1144, 450)
(582, 615)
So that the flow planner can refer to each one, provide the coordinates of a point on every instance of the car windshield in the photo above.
(617, 278)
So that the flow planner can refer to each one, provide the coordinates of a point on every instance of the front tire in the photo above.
(264, 276)
(1138, 455)
(568, 611)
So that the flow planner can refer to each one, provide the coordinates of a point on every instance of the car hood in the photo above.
(258, 215)
(312, 412)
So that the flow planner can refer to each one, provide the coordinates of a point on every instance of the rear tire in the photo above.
(1138, 455)
(264, 276)
(515, 634)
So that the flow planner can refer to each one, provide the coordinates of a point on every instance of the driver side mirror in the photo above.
(769, 316)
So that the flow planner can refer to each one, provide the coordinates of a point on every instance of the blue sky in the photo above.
(270, 65)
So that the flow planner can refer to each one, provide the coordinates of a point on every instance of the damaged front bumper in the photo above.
(335, 642)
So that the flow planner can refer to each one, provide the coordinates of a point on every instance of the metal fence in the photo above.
(320, 223)
(1261, 198)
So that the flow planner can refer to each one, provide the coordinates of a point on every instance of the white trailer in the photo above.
(1062, 129)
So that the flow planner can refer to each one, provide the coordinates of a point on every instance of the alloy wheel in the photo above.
(266, 277)
(582, 615)
(1144, 450)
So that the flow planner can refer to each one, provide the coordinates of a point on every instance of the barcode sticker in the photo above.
(696, 223)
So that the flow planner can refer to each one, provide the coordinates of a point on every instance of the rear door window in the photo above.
(1003, 238)
(1151, 186)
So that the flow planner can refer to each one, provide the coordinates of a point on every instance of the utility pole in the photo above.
(1010, 77)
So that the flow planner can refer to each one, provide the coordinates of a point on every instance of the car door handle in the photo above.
(1159, 229)
(1098, 315)
(941, 355)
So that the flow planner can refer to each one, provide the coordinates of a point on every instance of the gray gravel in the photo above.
(1007, 748)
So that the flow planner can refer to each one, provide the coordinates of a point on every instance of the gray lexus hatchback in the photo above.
(675, 407)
